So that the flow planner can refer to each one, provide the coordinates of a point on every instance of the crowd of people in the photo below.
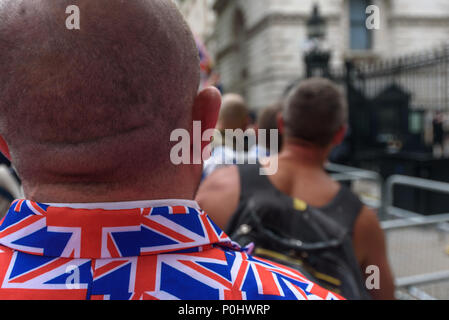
(86, 119)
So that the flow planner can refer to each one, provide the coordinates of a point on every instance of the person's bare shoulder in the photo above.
(367, 227)
(219, 195)
(368, 235)
(371, 250)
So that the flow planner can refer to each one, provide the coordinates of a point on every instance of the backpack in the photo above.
(291, 233)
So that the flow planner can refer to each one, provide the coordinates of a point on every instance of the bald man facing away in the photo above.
(86, 118)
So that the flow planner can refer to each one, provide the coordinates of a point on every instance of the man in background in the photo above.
(234, 115)
(313, 122)
(267, 120)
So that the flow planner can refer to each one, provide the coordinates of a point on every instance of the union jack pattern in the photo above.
(159, 253)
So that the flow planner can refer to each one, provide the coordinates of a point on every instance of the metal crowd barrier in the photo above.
(408, 219)
(398, 220)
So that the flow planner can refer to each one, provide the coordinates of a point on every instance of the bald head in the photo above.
(234, 113)
(96, 101)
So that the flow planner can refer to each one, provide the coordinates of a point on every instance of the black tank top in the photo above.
(345, 208)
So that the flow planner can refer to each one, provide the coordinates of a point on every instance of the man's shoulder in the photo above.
(220, 272)
(244, 276)
(5, 252)
(25, 276)
(292, 283)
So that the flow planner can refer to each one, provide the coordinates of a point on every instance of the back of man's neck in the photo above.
(304, 156)
(104, 194)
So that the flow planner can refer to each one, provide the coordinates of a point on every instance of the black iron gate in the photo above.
(390, 104)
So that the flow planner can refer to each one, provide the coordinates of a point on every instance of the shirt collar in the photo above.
(128, 204)
(109, 230)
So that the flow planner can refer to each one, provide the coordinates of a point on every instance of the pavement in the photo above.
(420, 250)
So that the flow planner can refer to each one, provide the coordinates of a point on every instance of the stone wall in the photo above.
(275, 32)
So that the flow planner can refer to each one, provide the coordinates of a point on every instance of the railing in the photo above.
(425, 74)
(408, 219)
(405, 221)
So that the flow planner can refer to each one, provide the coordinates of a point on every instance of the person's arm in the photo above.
(219, 195)
(370, 247)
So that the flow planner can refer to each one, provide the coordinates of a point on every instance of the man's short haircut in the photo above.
(314, 111)
(268, 120)
(73, 100)
(234, 113)
(268, 117)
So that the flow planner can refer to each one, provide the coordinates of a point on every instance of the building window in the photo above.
(361, 37)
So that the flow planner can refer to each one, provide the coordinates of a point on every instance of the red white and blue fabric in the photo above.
(166, 252)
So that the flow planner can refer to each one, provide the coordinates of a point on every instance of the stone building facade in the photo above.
(200, 16)
(258, 45)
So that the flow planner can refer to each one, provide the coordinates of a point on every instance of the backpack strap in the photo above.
(251, 182)
(345, 208)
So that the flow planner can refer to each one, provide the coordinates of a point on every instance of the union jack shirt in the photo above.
(162, 250)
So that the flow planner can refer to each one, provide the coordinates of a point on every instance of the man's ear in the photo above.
(4, 148)
(340, 135)
(206, 109)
